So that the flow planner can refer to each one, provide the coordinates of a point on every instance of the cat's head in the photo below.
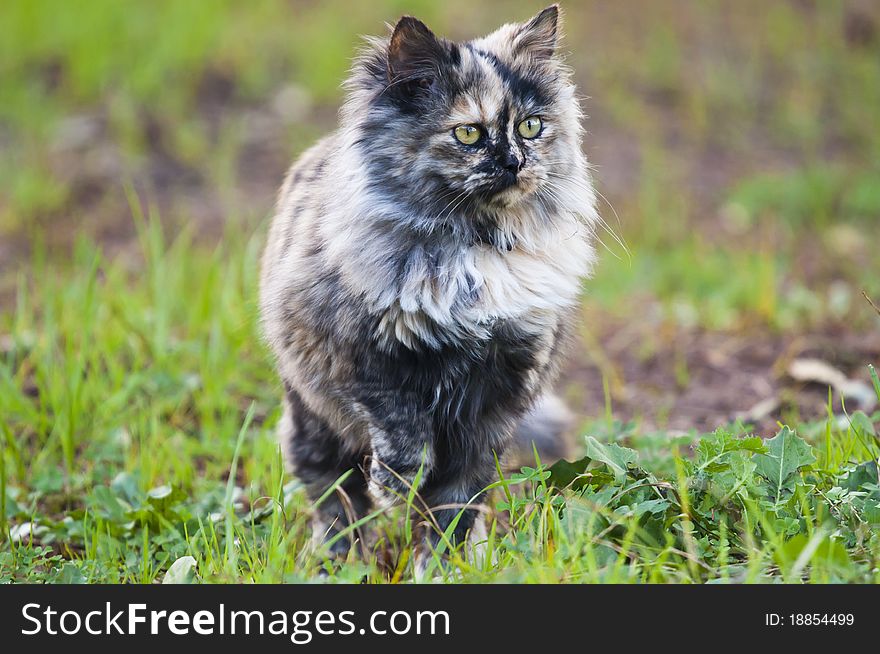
(482, 126)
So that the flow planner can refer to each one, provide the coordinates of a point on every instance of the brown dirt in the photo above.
(678, 380)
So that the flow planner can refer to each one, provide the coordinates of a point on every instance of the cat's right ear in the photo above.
(539, 37)
(414, 58)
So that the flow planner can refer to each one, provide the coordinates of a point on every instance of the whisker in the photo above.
(617, 238)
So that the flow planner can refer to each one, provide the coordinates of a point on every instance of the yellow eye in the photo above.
(530, 127)
(467, 134)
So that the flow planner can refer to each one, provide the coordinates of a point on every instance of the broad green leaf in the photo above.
(182, 571)
(713, 448)
(617, 458)
(826, 550)
(654, 507)
(108, 505)
(162, 498)
(870, 510)
(736, 479)
(563, 473)
(577, 475)
(864, 473)
(786, 454)
(125, 486)
(70, 574)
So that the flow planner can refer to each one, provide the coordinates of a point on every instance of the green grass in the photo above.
(139, 409)
(737, 144)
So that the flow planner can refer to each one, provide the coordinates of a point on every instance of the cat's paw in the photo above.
(386, 487)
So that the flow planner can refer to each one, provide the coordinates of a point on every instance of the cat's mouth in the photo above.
(508, 190)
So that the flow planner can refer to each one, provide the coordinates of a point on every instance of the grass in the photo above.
(737, 149)
(138, 430)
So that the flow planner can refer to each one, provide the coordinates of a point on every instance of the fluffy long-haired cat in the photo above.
(423, 271)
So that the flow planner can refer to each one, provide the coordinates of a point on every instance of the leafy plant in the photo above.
(732, 495)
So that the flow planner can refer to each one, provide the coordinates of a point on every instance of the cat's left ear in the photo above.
(539, 37)
(414, 55)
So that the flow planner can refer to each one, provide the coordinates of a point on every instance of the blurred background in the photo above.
(736, 147)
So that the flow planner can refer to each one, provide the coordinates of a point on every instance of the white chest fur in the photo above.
(471, 288)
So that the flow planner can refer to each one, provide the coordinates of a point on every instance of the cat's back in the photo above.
(293, 239)
(301, 199)
(303, 186)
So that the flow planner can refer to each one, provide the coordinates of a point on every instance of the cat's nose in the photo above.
(510, 163)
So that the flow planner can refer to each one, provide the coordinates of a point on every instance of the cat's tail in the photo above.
(547, 428)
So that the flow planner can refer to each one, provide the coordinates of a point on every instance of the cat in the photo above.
(423, 271)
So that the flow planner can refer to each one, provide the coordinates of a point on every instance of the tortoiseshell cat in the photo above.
(424, 268)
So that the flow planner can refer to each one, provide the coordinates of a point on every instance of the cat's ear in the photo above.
(538, 38)
(414, 56)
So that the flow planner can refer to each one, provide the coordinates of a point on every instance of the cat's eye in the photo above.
(530, 127)
(467, 134)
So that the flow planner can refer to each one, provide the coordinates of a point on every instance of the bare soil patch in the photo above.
(677, 379)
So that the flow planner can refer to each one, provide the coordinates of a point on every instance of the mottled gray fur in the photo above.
(417, 291)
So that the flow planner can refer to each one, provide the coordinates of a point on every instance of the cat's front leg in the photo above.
(402, 445)
(456, 514)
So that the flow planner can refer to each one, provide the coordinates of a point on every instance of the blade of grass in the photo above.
(230, 488)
